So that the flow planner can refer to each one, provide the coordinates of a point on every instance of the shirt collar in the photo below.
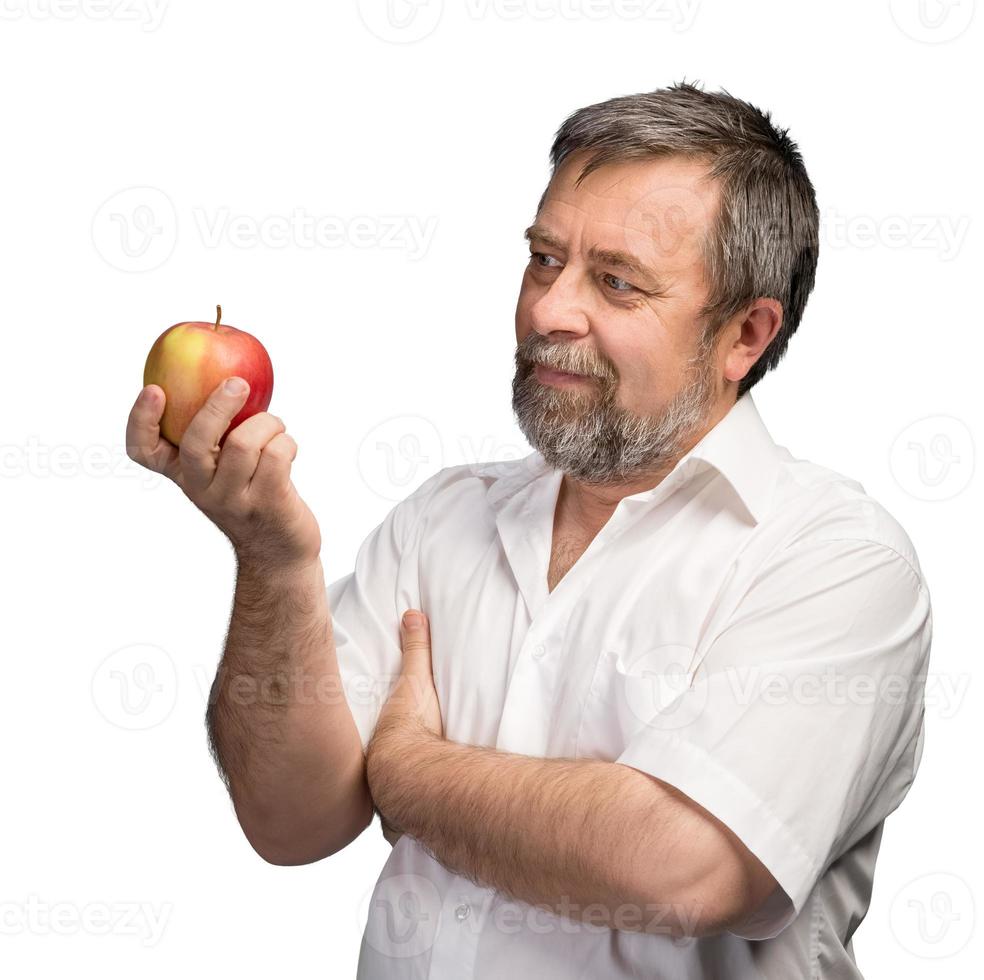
(739, 447)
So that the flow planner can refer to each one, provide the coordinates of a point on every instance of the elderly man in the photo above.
(667, 681)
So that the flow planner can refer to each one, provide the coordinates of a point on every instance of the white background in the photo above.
(393, 360)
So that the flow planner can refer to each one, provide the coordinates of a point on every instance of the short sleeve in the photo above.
(802, 727)
(366, 605)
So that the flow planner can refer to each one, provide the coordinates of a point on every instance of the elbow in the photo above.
(280, 857)
(297, 845)
(710, 907)
(289, 857)
(686, 914)
(290, 852)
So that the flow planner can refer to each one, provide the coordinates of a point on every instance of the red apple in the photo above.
(189, 360)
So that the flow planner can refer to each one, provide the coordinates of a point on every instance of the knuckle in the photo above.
(277, 449)
(227, 510)
(238, 441)
(191, 452)
(215, 407)
(276, 424)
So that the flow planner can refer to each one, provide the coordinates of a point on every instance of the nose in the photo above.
(560, 308)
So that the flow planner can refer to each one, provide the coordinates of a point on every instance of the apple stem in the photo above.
(218, 316)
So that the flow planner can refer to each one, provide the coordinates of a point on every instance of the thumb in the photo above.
(415, 639)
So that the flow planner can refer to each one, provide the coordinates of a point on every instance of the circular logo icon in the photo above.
(136, 230)
(397, 455)
(401, 21)
(932, 21)
(933, 458)
(135, 687)
(664, 223)
(403, 916)
(659, 689)
(933, 915)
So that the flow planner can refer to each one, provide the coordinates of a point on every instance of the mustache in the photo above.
(550, 356)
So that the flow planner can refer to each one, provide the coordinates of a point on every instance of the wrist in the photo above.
(263, 566)
(392, 749)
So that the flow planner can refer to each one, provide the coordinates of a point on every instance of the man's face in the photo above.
(633, 333)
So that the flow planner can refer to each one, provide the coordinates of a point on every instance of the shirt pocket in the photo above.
(631, 690)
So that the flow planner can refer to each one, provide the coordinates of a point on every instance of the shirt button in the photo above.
(461, 912)
(538, 651)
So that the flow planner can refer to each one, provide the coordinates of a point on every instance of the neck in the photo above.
(590, 505)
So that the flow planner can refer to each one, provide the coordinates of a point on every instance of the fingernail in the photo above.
(411, 620)
(235, 386)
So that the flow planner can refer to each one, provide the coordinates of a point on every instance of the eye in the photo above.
(536, 256)
(542, 261)
(628, 287)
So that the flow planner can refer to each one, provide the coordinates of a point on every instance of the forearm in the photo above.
(279, 726)
(579, 837)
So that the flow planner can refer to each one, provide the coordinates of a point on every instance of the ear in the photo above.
(752, 331)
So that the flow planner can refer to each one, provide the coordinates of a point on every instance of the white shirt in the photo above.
(754, 630)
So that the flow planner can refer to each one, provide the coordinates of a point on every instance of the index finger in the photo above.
(144, 442)
(199, 447)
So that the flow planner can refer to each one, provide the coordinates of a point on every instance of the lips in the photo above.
(551, 375)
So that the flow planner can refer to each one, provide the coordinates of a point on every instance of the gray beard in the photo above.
(582, 431)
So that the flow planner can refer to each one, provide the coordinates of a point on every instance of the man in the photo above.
(668, 681)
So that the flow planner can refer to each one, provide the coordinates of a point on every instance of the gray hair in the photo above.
(765, 237)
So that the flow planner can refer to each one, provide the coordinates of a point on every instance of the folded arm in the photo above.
(592, 840)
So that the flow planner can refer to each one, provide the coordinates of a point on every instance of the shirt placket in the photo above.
(463, 915)
(526, 719)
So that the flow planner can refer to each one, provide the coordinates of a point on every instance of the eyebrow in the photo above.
(604, 256)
